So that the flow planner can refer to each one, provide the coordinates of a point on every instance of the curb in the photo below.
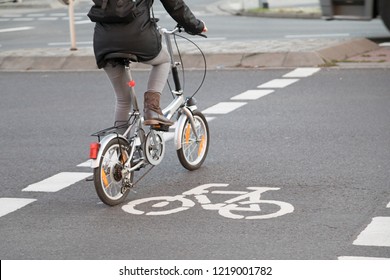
(62, 59)
(276, 14)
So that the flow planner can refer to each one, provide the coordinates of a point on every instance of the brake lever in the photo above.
(181, 28)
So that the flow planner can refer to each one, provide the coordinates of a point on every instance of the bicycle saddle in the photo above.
(121, 57)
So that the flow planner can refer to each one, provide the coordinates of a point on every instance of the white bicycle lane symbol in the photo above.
(246, 205)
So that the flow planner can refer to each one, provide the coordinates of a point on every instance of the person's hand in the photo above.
(204, 28)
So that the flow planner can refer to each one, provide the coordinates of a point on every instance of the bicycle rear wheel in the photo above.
(108, 177)
(193, 151)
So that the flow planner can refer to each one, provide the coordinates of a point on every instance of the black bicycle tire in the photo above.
(99, 187)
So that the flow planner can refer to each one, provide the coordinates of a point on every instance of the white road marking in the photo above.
(8, 205)
(302, 73)
(48, 18)
(36, 15)
(23, 28)
(12, 15)
(223, 107)
(85, 163)
(59, 14)
(317, 35)
(76, 18)
(278, 83)
(388, 205)
(377, 233)
(68, 43)
(23, 19)
(252, 94)
(245, 205)
(83, 22)
(168, 136)
(57, 182)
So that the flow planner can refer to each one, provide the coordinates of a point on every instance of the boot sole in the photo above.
(154, 122)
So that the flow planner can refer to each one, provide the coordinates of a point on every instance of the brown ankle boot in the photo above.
(152, 111)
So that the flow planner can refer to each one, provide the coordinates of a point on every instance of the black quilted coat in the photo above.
(140, 37)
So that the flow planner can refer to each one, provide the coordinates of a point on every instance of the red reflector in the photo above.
(131, 83)
(93, 150)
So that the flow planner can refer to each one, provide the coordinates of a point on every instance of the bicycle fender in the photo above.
(180, 127)
(103, 144)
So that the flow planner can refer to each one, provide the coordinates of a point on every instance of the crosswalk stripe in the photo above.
(8, 205)
(57, 182)
(377, 233)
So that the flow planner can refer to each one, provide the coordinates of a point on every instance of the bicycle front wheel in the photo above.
(108, 177)
(193, 151)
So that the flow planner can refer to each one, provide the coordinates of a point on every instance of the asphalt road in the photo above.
(320, 144)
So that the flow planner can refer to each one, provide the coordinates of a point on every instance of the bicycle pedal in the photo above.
(160, 127)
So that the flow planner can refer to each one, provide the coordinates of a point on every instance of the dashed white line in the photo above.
(68, 43)
(302, 72)
(224, 107)
(76, 18)
(57, 182)
(388, 205)
(252, 94)
(317, 35)
(11, 15)
(48, 18)
(8, 205)
(85, 164)
(83, 22)
(168, 136)
(23, 19)
(59, 14)
(23, 28)
(36, 15)
(377, 233)
(278, 83)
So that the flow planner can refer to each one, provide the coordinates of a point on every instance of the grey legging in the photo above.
(119, 79)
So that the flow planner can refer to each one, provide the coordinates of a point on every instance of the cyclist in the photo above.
(141, 38)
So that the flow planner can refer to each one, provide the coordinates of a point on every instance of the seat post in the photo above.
(131, 85)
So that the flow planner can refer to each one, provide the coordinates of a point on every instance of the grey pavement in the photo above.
(252, 54)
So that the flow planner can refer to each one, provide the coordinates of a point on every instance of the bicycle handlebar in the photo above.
(178, 29)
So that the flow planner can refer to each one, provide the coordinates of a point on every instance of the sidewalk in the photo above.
(276, 8)
(220, 54)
